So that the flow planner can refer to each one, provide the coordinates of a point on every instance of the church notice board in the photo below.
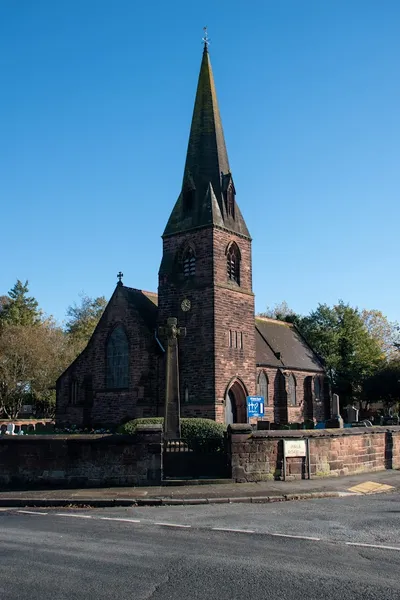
(294, 449)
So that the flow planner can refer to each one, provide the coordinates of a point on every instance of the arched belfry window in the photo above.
(118, 359)
(263, 386)
(233, 263)
(189, 262)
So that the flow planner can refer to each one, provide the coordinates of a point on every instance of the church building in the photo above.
(205, 281)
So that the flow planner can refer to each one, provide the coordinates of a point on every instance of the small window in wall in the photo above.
(118, 359)
(189, 262)
(186, 394)
(263, 386)
(73, 392)
(291, 390)
(230, 338)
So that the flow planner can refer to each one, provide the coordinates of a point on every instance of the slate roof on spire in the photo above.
(206, 167)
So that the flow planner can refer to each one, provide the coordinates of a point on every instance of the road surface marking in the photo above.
(372, 546)
(232, 530)
(370, 487)
(118, 519)
(173, 525)
(31, 512)
(296, 537)
(74, 516)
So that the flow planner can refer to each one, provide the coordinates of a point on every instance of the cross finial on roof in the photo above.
(205, 39)
(120, 276)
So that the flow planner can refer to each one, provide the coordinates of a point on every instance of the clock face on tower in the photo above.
(186, 304)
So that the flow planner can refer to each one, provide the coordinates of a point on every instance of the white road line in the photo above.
(74, 516)
(118, 519)
(372, 546)
(232, 530)
(173, 525)
(31, 512)
(296, 537)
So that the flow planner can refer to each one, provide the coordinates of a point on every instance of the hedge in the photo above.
(197, 433)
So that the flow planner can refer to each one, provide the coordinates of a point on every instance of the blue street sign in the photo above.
(255, 406)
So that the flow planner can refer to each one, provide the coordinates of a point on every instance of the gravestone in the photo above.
(352, 414)
(172, 425)
(335, 405)
(10, 429)
(336, 421)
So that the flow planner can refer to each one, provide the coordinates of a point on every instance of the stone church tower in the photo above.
(205, 277)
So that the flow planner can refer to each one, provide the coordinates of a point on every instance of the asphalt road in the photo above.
(142, 554)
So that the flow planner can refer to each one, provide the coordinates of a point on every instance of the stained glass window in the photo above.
(118, 359)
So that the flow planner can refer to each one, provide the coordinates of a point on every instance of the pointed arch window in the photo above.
(291, 390)
(317, 388)
(189, 262)
(118, 359)
(233, 263)
(73, 392)
(263, 386)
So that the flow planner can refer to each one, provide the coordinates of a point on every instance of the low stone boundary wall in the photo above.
(82, 460)
(258, 455)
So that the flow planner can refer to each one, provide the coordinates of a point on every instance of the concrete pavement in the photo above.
(206, 493)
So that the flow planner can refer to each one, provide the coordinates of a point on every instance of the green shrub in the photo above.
(130, 426)
(197, 433)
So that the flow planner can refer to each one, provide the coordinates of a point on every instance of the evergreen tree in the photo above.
(20, 308)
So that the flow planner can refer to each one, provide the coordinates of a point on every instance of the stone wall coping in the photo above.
(71, 439)
(151, 428)
(240, 428)
(27, 421)
(321, 433)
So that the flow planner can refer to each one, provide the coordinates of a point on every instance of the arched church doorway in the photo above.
(235, 403)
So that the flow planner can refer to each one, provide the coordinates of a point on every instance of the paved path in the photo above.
(328, 549)
(363, 483)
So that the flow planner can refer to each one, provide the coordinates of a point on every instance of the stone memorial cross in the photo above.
(172, 426)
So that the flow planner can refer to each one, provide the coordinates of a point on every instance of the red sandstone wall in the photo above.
(258, 456)
(82, 460)
(104, 407)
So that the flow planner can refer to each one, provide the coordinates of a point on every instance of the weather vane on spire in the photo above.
(205, 39)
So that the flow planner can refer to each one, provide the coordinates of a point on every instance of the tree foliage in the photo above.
(384, 385)
(19, 308)
(83, 319)
(386, 333)
(31, 359)
(351, 354)
(281, 312)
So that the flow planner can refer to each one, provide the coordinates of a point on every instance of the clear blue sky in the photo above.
(95, 107)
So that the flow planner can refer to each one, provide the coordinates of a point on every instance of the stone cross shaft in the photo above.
(172, 425)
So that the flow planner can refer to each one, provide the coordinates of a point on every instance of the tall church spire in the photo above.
(208, 194)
